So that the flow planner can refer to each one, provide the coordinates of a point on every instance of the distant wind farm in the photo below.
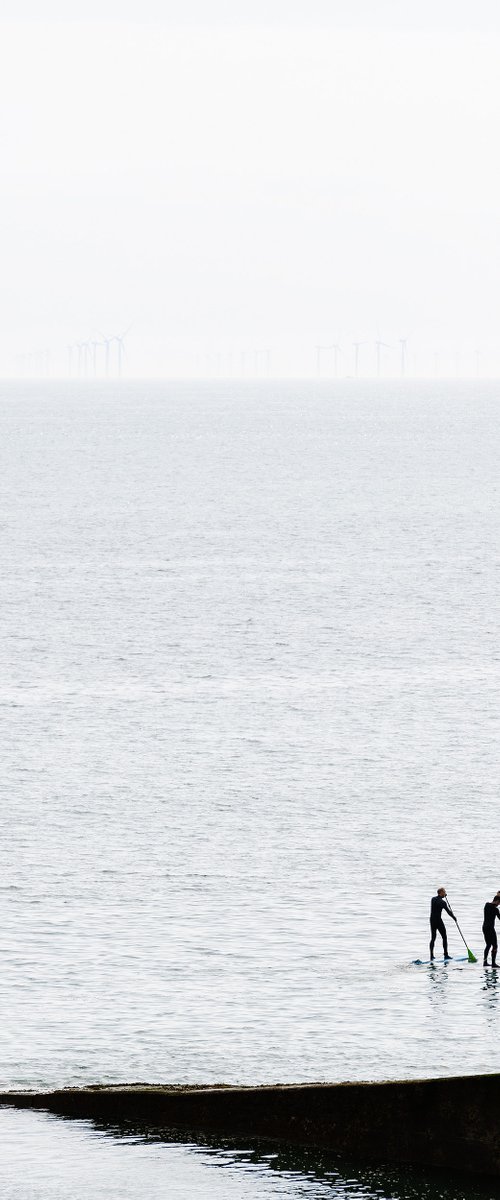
(112, 356)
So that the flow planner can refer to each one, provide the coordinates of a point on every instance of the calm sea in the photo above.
(249, 690)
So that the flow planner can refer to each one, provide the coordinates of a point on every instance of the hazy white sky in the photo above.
(230, 176)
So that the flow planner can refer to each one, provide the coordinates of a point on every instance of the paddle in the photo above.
(470, 955)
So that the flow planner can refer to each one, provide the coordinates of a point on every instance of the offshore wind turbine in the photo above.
(379, 346)
(120, 351)
(83, 352)
(119, 338)
(106, 342)
(336, 352)
(403, 342)
(86, 355)
(94, 346)
(356, 356)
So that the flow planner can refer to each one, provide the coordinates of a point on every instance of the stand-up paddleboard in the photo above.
(434, 962)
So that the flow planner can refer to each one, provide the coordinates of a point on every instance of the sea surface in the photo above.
(249, 722)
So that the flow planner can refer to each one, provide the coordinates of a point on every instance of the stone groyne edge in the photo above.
(443, 1123)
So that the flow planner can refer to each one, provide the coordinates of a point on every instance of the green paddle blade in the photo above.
(471, 956)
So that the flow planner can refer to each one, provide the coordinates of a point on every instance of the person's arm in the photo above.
(448, 910)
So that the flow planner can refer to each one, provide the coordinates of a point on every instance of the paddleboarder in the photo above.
(491, 913)
(438, 905)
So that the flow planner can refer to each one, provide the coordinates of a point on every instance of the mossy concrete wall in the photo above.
(446, 1123)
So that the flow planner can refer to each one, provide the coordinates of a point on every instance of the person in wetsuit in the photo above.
(438, 903)
(490, 914)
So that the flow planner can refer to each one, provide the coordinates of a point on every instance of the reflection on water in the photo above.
(46, 1158)
(332, 1176)
(491, 990)
(438, 983)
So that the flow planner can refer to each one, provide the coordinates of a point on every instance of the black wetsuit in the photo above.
(490, 937)
(437, 923)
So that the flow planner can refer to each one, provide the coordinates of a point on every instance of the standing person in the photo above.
(490, 937)
(438, 903)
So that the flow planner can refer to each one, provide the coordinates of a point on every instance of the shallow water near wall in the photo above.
(249, 700)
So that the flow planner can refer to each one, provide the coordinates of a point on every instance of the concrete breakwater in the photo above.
(445, 1123)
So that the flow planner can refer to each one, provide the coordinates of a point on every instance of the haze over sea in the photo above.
(249, 687)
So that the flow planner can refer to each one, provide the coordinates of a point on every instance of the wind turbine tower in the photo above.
(120, 351)
(379, 346)
(85, 357)
(119, 338)
(106, 342)
(356, 357)
(404, 344)
(94, 346)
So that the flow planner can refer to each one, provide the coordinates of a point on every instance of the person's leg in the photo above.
(433, 939)
(494, 948)
(487, 939)
(444, 935)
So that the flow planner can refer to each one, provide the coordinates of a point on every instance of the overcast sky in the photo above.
(228, 176)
